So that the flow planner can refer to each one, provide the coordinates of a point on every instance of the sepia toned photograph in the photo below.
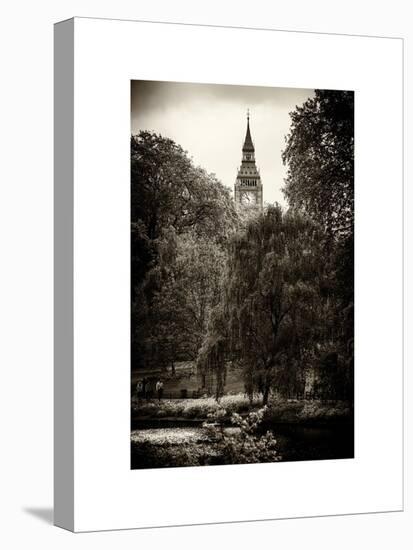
(242, 274)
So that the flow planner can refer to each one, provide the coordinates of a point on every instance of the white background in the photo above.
(107, 494)
(26, 302)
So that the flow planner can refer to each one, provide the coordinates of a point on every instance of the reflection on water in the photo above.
(298, 442)
(295, 441)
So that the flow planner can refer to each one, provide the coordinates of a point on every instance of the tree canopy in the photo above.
(319, 154)
(181, 219)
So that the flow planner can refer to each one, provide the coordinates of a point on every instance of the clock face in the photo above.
(248, 198)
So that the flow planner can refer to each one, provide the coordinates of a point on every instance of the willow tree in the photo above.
(271, 301)
(214, 352)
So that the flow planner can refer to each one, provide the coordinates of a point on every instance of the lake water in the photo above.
(295, 441)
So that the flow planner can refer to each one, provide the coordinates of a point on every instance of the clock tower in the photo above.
(248, 186)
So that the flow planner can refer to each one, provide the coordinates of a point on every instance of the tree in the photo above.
(320, 182)
(188, 291)
(169, 191)
(271, 306)
(172, 202)
(319, 153)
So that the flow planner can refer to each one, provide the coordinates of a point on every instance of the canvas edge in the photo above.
(63, 275)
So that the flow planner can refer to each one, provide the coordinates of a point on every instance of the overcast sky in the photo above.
(209, 121)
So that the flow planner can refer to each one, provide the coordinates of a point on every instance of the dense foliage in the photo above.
(181, 219)
(319, 154)
(270, 308)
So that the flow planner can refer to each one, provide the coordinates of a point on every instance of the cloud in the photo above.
(156, 96)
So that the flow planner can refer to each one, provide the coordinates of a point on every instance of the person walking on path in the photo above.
(148, 390)
(159, 389)
(139, 389)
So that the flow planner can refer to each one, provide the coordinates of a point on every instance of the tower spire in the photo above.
(248, 145)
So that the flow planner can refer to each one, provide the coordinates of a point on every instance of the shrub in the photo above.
(193, 408)
(242, 445)
(290, 411)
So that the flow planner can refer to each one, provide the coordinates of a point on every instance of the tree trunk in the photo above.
(266, 394)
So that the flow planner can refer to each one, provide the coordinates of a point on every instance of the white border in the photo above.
(107, 494)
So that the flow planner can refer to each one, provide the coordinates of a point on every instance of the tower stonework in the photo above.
(248, 185)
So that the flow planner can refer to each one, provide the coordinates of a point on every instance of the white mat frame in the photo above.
(94, 63)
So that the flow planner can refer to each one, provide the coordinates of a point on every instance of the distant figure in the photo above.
(147, 389)
(139, 389)
(159, 389)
